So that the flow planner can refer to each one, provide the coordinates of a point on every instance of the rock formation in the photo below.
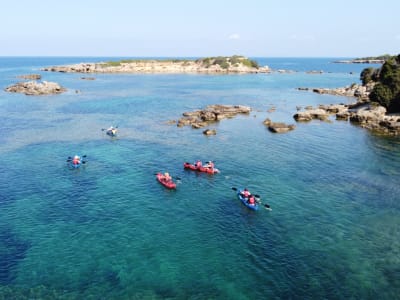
(212, 113)
(36, 88)
(366, 115)
(278, 127)
(31, 76)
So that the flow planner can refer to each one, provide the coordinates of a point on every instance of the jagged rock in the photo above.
(31, 76)
(210, 132)
(198, 124)
(280, 127)
(212, 113)
(267, 122)
(343, 116)
(36, 88)
(310, 114)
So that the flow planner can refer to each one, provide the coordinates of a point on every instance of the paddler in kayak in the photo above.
(76, 160)
(251, 200)
(245, 193)
(167, 177)
(111, 131)
(198, 164)
(209, 165)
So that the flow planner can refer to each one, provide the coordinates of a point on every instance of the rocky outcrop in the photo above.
(212, 113)
(364, 114)
(355, 90)
(31, 76)
(157, 66)
(278, 127)
(36, 88)
(210, 132)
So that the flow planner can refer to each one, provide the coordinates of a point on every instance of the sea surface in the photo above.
(109, 230)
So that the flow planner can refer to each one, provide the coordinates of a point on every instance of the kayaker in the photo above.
(209, 164)
(112, 130)
(245, 193)
(252, 200)
(198, 164)
(167, 177)
(76, 160)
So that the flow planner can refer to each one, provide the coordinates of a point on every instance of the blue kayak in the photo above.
(76, 161)
(75, 165)
(244, 201)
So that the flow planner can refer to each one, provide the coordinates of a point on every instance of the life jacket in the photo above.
(75, 161)
(198, 164)
(246, 193)
(252, 200)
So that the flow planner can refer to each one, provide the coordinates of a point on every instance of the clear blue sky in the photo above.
(309, 28)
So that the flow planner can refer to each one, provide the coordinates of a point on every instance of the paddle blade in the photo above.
(233, 188)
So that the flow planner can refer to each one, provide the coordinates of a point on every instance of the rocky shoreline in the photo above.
(362, 112)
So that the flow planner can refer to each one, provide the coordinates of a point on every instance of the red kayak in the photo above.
(190, 166)
(169, 184)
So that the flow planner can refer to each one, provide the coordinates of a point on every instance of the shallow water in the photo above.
(109, 230)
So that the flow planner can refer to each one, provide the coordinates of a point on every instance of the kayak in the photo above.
(169, 184)
(190, 166)
(244, 201)
(111, 133)
(75, 165)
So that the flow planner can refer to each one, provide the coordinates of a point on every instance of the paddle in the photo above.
(107, 129)
(70, 158)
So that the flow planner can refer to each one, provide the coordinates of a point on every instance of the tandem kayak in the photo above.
(75, 165)
(244, 200)
(76, 161)
(169, 184)
(190, 166)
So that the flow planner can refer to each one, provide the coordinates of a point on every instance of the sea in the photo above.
(109, 230)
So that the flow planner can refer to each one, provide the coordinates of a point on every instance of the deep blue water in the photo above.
(109, 230)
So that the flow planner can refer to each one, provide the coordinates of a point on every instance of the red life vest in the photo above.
(251, 200)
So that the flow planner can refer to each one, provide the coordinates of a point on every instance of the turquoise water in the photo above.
(109, 230)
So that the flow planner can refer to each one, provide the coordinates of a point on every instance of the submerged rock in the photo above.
(210, 132)
(31, 76)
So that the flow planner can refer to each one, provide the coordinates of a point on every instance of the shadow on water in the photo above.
(12, 250)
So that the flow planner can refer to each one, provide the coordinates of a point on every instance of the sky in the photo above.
(177, 28)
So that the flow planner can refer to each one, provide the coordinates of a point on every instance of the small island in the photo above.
(367, 60)
(213, 65)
